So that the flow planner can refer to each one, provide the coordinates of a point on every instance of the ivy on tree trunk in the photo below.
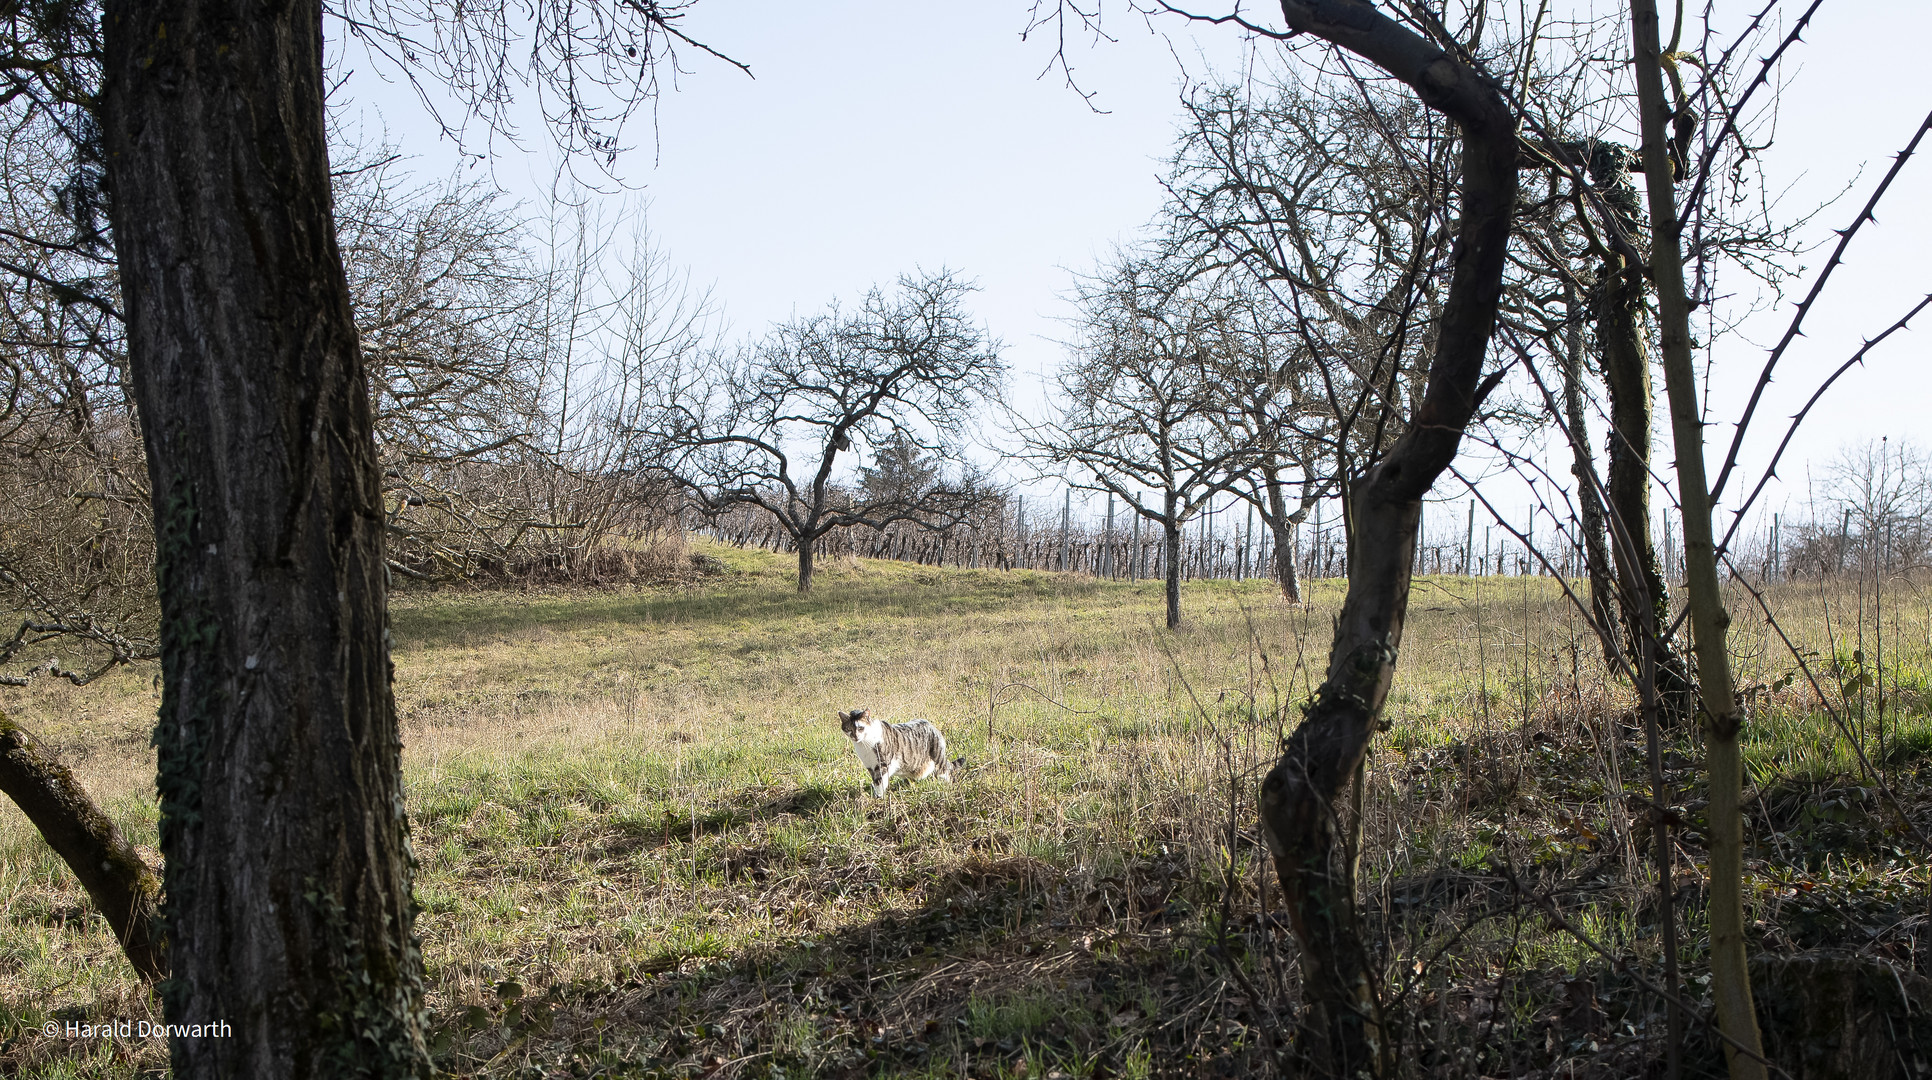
(1625, 356)
(288, 909)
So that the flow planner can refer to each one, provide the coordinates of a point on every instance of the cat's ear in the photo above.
(859, 714)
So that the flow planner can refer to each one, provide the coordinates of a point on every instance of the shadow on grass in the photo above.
(1007, 963)
(677, 827)
(1013, 963)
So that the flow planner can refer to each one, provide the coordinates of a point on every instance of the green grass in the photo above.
(646, 849)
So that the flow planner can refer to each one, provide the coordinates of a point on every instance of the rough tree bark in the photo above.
(1171, 541)
(1301, 798)
(1283, 524)
(288, 910)
(1625, 356)
(1596, 556)
(1730, 973)
(121, 884)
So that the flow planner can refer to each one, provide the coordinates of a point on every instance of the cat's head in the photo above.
(856, 723)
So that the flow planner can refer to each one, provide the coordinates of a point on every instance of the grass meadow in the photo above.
(646, 849)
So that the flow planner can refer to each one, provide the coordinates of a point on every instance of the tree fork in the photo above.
(1730, 973)
(1282, 524)
(1302, 796)
(122, 885)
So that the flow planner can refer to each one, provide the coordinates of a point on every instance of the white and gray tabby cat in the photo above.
(915, 748)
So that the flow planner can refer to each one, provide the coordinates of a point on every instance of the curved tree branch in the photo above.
(1301, 797)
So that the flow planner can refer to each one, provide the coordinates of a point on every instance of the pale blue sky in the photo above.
(881, 136)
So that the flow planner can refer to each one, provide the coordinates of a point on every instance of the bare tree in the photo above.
(1291, 433)
(487, 336)
(465, 322)
(1579, 285)
(274, 625)
(1140, 413)
(765, 425)
(1730, 976)
(288, 874)
(1873, 515)
(1277, 421)
(1322, 198)
(75, 559)
(1301, 800)
(619, 310)
(1881, 493)
(447, 296)
(1689, 121)
(1688, 117)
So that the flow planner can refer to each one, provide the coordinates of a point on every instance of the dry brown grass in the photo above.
(645, 849)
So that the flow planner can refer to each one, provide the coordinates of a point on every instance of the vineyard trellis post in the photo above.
(1246, 542)
(1469, 542)
(1108, 546)
(1315, 566)
(1066, 519)
(1019, 532)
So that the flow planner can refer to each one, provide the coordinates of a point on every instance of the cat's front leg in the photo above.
(883, 778)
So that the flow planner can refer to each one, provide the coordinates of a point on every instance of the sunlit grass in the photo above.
(618, 796)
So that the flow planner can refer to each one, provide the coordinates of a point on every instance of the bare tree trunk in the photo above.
(1596, 557)
(121, 884)
(1730, 973)
(1171, 543)
(1626, 374)
(1284, 558)
(805, 547)
(1283, 527)
(288, 910)
(1301, 805)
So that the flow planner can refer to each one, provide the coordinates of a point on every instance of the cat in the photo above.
(915, 748)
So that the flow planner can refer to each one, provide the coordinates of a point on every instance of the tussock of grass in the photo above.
(646, 847)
